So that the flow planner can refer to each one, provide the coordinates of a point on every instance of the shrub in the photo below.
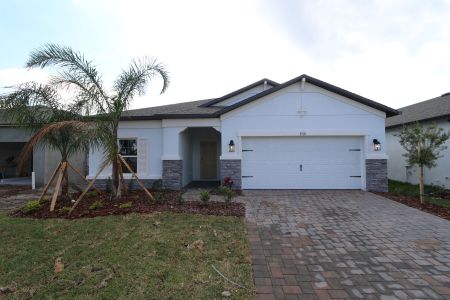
(92, 194)
(96, 205)
(180, 199)
(204, 196)
(64, 209)
(228, 182)
(159, 197)
(157, 184)
(126, 205)
(227, 193)
(44, 199)
(31, 206)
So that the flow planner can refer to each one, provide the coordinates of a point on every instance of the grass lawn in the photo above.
(412, 190)
(132, 256)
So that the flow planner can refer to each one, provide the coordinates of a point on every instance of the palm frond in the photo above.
(77, 70)
(31, 104)
(68, 137)
(133, 81)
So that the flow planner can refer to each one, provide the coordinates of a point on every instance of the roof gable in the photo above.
(263, 81)
(211, 108)
(389, 111)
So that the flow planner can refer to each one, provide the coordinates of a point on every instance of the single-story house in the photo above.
(43, 161)
(301, 134)
(433, 111)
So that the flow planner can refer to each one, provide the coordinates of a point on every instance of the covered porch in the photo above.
(200, 150)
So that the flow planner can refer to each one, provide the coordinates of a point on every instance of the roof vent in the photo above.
(446, 94)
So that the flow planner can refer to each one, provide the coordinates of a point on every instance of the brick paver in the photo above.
(345, 244)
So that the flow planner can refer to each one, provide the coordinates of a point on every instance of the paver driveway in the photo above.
(345, 244)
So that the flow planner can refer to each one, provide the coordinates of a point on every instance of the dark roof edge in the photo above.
(418, 121)
(168, 116)
(241, 90)
(332, 88)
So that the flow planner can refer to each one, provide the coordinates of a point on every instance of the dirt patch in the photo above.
(12, 190)
(431, 208)
(135, 202)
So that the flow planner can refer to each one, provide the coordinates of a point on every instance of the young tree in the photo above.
(423, 146)
(81, 77)
(40, 109)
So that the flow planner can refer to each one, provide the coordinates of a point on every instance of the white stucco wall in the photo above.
(291, 111)
(149, 140)
(397, 165)
(312, 111)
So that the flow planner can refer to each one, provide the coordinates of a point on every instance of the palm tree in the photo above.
(80, 76)
(39, 108)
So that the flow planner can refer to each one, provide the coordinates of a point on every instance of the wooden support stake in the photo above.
(135, 176)
(58, 185)
(50, 181)
(119, 168)
(81, 175)
(86, 189)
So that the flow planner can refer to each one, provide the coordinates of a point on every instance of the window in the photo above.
(128, 150)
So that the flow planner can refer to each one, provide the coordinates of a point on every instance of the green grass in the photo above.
(412, 190)
(140, 256)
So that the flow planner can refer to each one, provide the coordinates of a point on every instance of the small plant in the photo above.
(159, 197)
(96, 205)
(44, 199)
(126, 205)
(228, 182)
(227, 193)
(157, 184)
(180, 199)
(31, 206)
(204, 196)
(64, 209)
(92, 194)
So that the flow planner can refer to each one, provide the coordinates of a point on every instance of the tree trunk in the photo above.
(115, 180)
(65, 183)
(421, 187)
(115, 189)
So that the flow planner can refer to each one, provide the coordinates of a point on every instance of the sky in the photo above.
(396, 52)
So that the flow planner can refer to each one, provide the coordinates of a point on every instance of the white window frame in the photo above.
(125, 170)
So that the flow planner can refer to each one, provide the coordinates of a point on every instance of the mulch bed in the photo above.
(11, 190)
(140, 204)
(434, 209)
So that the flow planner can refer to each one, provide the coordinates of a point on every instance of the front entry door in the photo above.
(208, 161)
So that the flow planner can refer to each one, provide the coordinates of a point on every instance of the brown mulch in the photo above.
(11, 190)
(431, 208)
(140, 204)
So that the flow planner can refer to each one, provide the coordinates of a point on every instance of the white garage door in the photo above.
(301, 162)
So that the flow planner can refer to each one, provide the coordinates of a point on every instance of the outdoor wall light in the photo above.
(376, 145)
(231, 146)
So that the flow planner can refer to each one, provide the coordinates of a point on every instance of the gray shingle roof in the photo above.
(190, 109)
(430, 109)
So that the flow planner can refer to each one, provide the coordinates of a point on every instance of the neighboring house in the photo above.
(43, 161)
(302, 134)
(433, 111)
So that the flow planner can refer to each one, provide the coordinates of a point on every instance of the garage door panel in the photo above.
(301, 162)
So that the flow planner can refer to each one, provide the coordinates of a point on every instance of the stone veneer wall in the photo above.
(101, 183)
(172, 174)
(231, 168)
(376, 175)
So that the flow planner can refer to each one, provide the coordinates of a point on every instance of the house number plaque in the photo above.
(302, 133)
